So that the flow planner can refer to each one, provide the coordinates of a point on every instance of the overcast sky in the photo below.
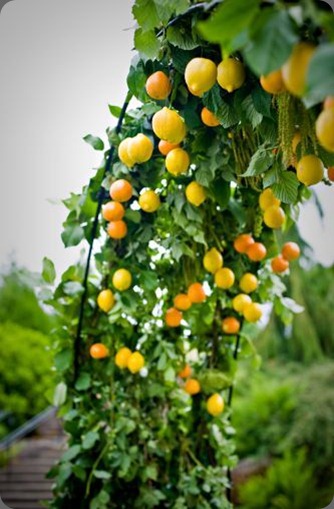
(61, 63)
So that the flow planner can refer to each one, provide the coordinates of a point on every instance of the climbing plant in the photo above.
(184, 219)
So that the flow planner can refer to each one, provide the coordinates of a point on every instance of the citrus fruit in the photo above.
(208, 118)
(329, 102)
(149, 201)
(212, 260)
(310, 170)
(240, 301)
(330, 173)
(230, 325)
(177, 161)
(165, 147)
(158, 86)
(173, 317)
(290, 251)
(215, 405)
(117, 229)
(140, 149)
(195, 193)
(168, 125)
(185, 372)
(279, 264)
(295, 69)
(268, 199)
(273, 82)
(242, 242)
(248, 283)
(192, 386)
(224, 278)
(121, 190)
(122, 357)
(274, 217)
(200, 75)
(122, 280)
(106, 300)
(123, 153)
(324, 128)
(196, 293)
(182, 302)
(252, 312)
(231, 74)
(99, 351)
(113, 211)
(257, 251)
(135, 362)
(297, 138)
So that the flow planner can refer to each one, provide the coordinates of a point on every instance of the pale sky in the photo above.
(61, 63)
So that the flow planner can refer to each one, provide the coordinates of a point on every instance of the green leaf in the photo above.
(261, 161)
(72, 235)
(115, 110)
(182, 37)
(165, 9)
(213, 380)
(286, 189)
(272, 38)
(60, 394)
(320, 78)
(48, 272)
(181, 58)
(261, 100)
(133, 215)
(63, 359)
(224, 111)
(250, 112)
(136, 80)
(71, 453)
(90, 440)
(94, 141)
(222, 192)
(147, 43)
(145, 12)
(102, 474)
(83, 382)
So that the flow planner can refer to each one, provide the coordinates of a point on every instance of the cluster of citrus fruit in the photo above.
(273, 214)
(133, 361)
(183, 302)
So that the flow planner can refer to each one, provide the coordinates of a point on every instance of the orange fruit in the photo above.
(230, 325)
(113, 211)
(185, 372)
(165, 147)
(141, 148)
(273, 82)
(195, 193)
(117, 229)
(212, 260)
(240, 301)
(242, 242)
(215, 405)
(329, 102)
(99, 351)
(122, 279)
(149, 201)
(173, 317)
(106, 300)
(252, 312)
(256, 252)
(279, 264)
(310, 170)
(274, 217)
(208, 118)
(123, 153)
(200, 75)
(330, 173)
(196, 293)
(192, 386)
(295, 69)
(158, 86)
(177, 161)
(224, 278)
(268, 199)
(324, 128)
(168, 125)
(121, 190)
(135, 362)
(182, 302)
(122, 357)
(290, 251)
(231, 74)
(248, 283)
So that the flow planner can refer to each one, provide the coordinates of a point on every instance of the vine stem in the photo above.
(109, 161)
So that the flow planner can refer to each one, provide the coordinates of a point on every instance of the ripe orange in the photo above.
(177, 161)
(117, 229)
(248, 283)
(99, 351)
(268, 199)
(141, 148)
(240, 301)
(158, 86)
(242, 242)
(256, 252)
(252, 312)
(165, 147)
(295, 69)
(192, 386)
(196, 293)
(168, 125)
(230, 325)
(123, 153)
(121, 190)
(185, 372)
(224, 278)
(215, 405)
(182, 302)
(310, 170)
(273, 82)
(330, 173)
(274, 217)
(122, 357)
(122, 279)
(208, 118)
(324, 128)
(113, 211)
(231, 74)
(279, 264)
(290, 251)
(329, 102)
(173, 317)
(106, 300)
(135, 362)
(200, 75)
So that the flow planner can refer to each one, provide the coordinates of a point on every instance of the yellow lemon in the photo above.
(268, 199)
(274, 217)
(122, 357)
(200, 75)
(177, 161)
(310, 170)
(240, 301)
(231, 74)
(106, 300)
(195, 193)
(123, 153)
(324, 128)
(295, 69)
(212, 260)
(149, 201)
(248, 283)
(252, 312)
(215, 404)
(168, 125)
(273, 82)
(141, 148)
(122, 280)
(224, 278)
(136, 362)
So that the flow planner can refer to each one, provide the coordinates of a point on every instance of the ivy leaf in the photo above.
(260, 162)
(182, 37)
(147, 43)
(320, 77)
(72, 235)
(48, 272)
(145, 12)
(224, 111)
(286, 189)
(94, 141)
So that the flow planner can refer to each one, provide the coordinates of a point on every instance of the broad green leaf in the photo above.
(71, 453)
(250, 112)
(223, 110)
(115, 110)
(272, 38)
(320, 78)
(181, 58)
(83, 382)
(222, 192)
(94, 141)
(286, 189)
(261, 161)
(60, 394)
(133, 215)
(182, 37)
(261, 100)
(90, 440)
(147, 43)
(136, 80)
(167, 9)
(145, 12)
(72, 235)
(102, 474)
(48, 272)
(64, 359)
